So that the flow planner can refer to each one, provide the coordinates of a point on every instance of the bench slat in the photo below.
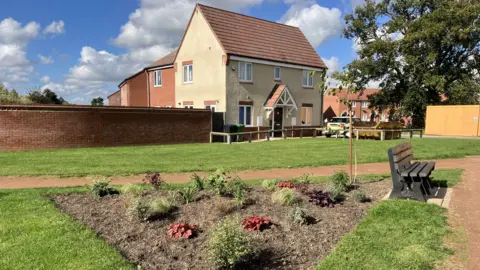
(406, 172)
(418, 169)
(401, 156)
(427, 169)
(401, 148)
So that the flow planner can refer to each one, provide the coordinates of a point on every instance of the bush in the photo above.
(228, 243)
(147, 209)
(323, 199)
(153, 179)
(304, 178)
(198, 182)
(187, 194)
(284, 196)
(237, 189)
(285, 184)
(359, 195)
(101, 188)
(256, 223)
(269, 185)
(340, 180)
(181, 230)
(335, 191)
(218, 182)
(298, 215)
(131, 190)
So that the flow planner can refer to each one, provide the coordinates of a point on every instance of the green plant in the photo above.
(269, 184)
(335, 191)
(341, 180)
(147, 209)
(187, 194)
(284, 196)
(101, 188)
(304, 178)
(224, 207)
(237, 189)
(229, 243)
(298, 215)
(359, 195)
(198, 182)
(131, 190)
(218, 181)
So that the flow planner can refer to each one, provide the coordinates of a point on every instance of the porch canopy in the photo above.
(280, 96)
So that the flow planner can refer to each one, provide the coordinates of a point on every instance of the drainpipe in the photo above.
(148, 88)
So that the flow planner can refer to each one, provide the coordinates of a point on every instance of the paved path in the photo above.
(50, 181)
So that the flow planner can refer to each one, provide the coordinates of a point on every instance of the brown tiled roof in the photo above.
(363, 95)
(253, 37)
(166, 60)
(274, 95)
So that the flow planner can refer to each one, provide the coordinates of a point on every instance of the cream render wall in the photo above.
(259, 90)
(209, 79)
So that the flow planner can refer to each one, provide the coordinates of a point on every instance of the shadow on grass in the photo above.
(440, 183)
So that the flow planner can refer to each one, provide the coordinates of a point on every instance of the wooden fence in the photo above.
(268, 134)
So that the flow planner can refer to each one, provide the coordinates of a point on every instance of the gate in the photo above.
(217, 125)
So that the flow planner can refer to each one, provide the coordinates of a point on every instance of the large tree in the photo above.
(46, 96)
(417, 50)
(12, 97)
(97, 101)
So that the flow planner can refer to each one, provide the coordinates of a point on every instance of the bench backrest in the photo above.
(401, 156)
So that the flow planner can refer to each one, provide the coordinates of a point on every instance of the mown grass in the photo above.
(208, 157)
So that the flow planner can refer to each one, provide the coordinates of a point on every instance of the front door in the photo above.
(278, 123)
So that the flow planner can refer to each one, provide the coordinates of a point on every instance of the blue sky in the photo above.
(83, 49)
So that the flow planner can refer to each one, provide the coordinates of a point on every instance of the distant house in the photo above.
(114, 99)
(333, 107)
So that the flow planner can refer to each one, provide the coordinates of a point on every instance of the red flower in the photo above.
(285, 184)
(255, 223)
(179, 230)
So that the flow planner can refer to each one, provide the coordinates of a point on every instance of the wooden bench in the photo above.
(411, 180)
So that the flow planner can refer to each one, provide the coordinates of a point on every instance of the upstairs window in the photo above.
(276, 73)
(157, 78)
(188, 74)
(354, 104)
(364, 104)
(245, 72)
(307, 78)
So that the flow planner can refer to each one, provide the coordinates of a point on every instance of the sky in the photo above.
(84, 49)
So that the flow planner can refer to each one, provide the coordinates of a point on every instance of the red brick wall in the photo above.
(164, 95)
(137, 91)
(46, 127)
(115, 99)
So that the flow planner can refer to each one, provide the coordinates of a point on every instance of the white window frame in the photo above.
(364, 115)
(364, 104)
(245, 115)
(354, 104)
(307, 109)
(309, 79)
(245, 64)
(214, 106)
(155, 78)
(188, 106)
(275, 73)
(189, 78)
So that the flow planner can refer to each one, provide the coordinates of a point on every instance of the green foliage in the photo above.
(229, 243)
(187, 194)
(284, 196)
(304, 178)
(298, 215)
(46, 96)
(340, 180)
(197, 182)
(101, 188)
(237, 189)
(218, 182)
(149, 208)
(12, 97)
(335, 191)
(417, 50)
(359, 195)
(269, 185)
(97, 101)
(131, 190)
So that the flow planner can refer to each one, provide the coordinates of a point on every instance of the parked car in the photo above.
(340, 126)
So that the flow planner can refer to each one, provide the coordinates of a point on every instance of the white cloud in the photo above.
(45, 59)
(333, 64)
(45, 79)
(14, 38)
(316, 22)
(55, 28)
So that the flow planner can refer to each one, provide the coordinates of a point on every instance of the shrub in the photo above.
(285, 184)
(223, 207)
(198, 182)
(187, 194)
(284, 196)
(153, 179)
(269, 185)
(181, 230)
(302, 187)
(237, 189)
(359, 195)
(340, 179)
(101, 188)
(131, 190)
(298, 215)
(147, 209)
(256, 223)
(304, 178)
(228, 243)
(335, 191)
(218, 182)
(323, 199)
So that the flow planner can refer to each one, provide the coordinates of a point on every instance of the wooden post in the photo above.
(229, 139)
(411, 133)
(250, 137)
(301, 133)
(421, 133)
(382, 135)
(211, 137)
(284, 133)
(314, 133)
(357, 131)
(268, 135)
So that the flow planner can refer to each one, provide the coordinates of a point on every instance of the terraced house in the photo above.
(259, 73)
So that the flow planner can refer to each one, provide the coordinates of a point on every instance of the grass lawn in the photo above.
(207, 157)
(35, 235)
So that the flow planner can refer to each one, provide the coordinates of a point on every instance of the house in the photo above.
(114, 99)
(153, 86)
(333, 107)
(258, 72)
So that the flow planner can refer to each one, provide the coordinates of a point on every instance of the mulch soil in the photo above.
(282, 246)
